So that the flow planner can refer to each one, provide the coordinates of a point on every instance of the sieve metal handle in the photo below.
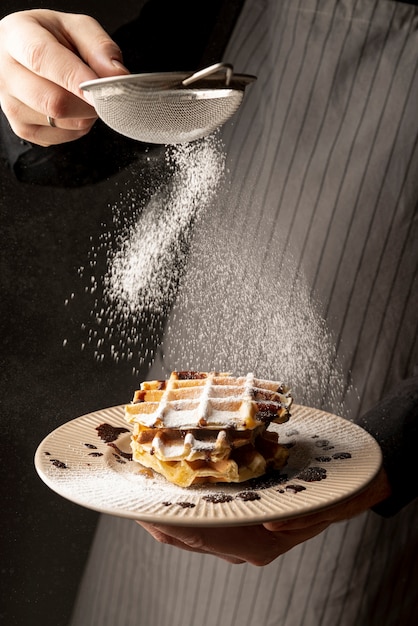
(207, 71)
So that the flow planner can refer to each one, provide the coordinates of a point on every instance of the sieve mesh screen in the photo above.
(178, 117)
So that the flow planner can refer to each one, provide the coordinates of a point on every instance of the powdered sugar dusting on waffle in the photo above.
(223, 401)
(208, 426)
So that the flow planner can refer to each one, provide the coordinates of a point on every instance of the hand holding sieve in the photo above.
(170, 107)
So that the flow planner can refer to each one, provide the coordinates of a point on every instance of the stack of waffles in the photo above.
(208, 427)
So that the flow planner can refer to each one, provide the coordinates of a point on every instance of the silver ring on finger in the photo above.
(51, 121)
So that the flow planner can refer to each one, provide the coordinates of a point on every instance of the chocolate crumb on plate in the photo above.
(58, 464)
(109, 433)
(218, 498)
(313, 474)
(248, 496)
(341, 455)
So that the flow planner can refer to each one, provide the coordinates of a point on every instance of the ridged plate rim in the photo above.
(344, 456)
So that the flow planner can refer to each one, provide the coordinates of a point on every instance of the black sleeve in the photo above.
(394, 425)
(94, 157)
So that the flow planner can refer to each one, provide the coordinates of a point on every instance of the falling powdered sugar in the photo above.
(257, 315)
(146, 257)
(240, 305)
(144, 272)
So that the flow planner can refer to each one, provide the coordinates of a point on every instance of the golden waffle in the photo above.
(208, 426)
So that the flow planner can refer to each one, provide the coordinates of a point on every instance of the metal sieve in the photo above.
(171, 107)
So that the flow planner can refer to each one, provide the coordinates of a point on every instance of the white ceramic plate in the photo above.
(330, 460)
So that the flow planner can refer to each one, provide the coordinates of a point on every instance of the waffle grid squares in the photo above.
(208, 426)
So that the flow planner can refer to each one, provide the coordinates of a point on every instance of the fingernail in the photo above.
(119, 66)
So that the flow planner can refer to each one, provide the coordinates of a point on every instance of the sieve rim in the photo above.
(150, 81)
(178, 95)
